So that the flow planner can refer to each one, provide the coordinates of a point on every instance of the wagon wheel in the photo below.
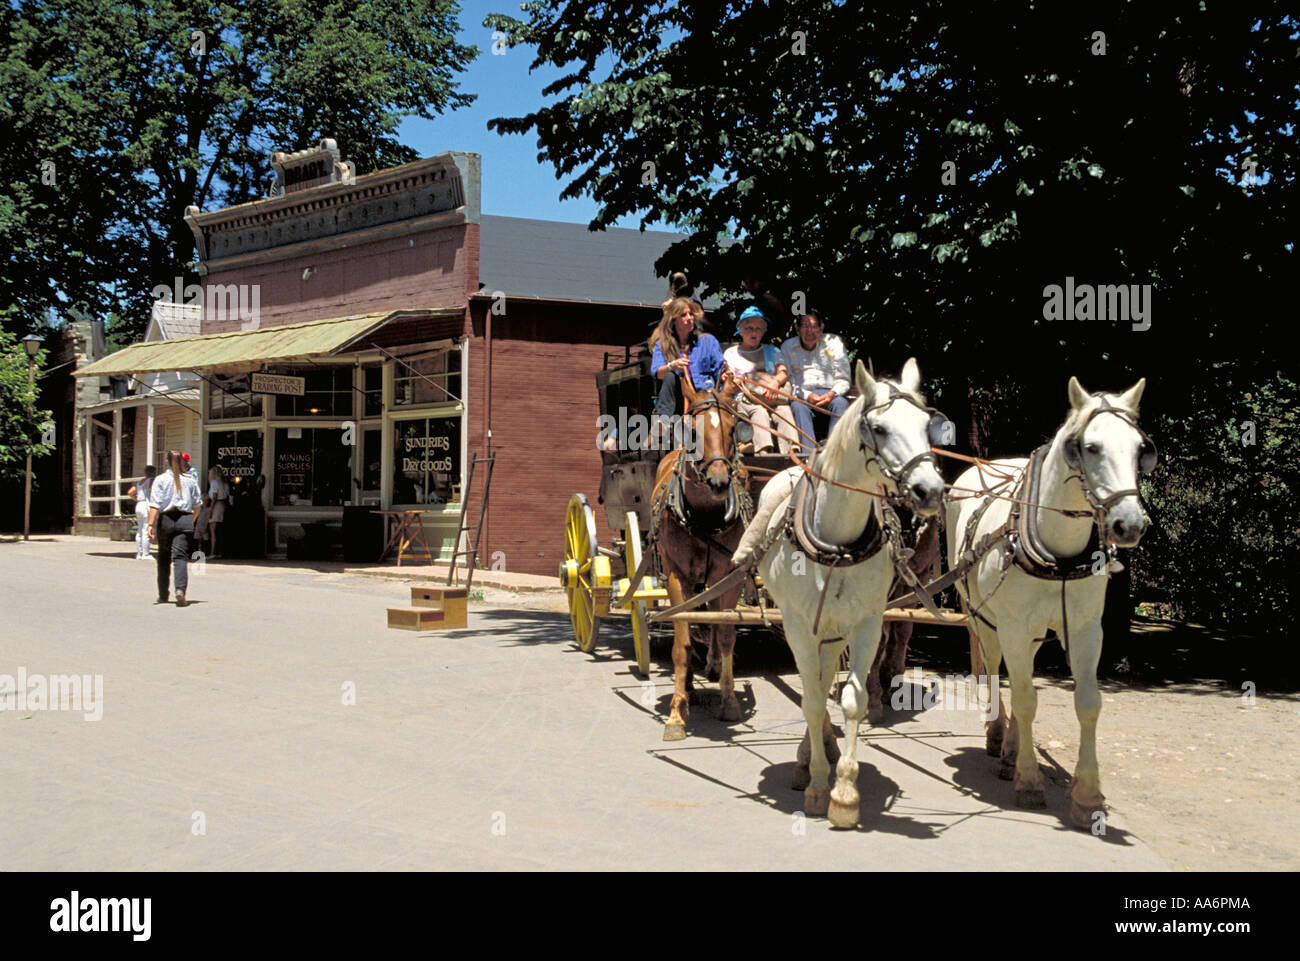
(584, 573)
(640, 627)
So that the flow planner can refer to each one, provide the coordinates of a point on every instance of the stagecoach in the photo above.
(596, 576)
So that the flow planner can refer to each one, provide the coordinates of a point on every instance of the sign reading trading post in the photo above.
(279, 384)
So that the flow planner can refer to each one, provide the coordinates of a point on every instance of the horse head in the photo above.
(897, 429)
(710, 419)
(1104, 447)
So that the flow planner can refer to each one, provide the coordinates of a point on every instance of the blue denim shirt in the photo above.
(705, 361)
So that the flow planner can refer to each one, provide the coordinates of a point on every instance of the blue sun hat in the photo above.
(747, 313)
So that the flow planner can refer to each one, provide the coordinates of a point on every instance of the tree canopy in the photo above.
(1118, 144)
(115, 117)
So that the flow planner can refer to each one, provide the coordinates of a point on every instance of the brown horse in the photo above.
(697, 497)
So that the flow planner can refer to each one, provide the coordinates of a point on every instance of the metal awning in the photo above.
(248, 349)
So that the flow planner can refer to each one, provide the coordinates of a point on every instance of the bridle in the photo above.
(937, 435)
(1072, 450)
(714, 402)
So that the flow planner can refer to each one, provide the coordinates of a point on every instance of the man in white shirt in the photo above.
(819, 374)
(174, 501)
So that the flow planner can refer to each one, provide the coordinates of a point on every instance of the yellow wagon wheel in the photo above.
(584, 573)
(640, 627)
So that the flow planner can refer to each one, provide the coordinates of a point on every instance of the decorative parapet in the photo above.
(435, 191)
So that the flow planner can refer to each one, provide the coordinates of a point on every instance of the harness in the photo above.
(739, 505)
(1028, 552)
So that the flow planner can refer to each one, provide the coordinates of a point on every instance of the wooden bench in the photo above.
(432, 609)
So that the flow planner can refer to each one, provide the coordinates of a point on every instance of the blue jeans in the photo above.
(803, 418)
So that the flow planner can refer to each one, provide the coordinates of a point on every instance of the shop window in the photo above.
(424, 381)
(327, 392)
(313, 467)
(373, 385)
(238, 455)
(426, 461)
(231, 397)
(372, 474)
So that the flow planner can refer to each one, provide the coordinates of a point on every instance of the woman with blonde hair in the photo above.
(174, 501)
(680, 350)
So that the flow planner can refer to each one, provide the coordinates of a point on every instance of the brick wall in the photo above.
(543, 417)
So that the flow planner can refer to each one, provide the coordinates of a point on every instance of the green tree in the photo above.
(21, 422)
(116, 117)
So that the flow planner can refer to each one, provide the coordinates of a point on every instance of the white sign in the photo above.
(279, 384)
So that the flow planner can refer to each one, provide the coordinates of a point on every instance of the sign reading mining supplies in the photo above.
(279, 384)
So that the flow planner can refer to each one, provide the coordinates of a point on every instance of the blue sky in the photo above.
(514, 183)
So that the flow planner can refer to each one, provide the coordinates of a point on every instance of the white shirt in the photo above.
(736, 358)
(825, 367)
(217, 490)
(164, 495)
(142, 490)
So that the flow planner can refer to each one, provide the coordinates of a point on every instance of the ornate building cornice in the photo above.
(436, 191)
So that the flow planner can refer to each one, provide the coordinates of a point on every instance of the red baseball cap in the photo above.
(184, 456)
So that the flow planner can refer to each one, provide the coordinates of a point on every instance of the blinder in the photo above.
(942, 431)
(1147, 455)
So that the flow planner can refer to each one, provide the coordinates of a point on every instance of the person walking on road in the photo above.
(140, 491)
(174, 501)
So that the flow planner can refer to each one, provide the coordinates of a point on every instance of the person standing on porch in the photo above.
(174, 501)
(140, 491)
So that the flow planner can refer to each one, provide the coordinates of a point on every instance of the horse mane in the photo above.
(838, 444)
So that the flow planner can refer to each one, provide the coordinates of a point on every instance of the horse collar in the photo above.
(799, 521)
(1030, 553)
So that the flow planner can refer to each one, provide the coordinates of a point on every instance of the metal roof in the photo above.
(314, 338)
(550, 260)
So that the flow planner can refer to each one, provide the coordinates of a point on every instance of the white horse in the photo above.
(1044, 571)
(882, 445)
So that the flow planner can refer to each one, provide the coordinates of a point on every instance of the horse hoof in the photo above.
(875, 713)
(674, 732)
(1030, 797)
(800, 779)
(816, 800)
(993, 743)
(1085, 816)
(731, 710)
(843, 810)
(1007, 768)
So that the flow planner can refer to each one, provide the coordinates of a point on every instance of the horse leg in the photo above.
(802, 777)
(675, 729)
(1018, 650)
(1086, 798)
(876, 680)
(724, 636)
(985, 672)
(815, 680)
(853, 699)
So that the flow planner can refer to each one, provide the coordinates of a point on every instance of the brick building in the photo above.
(363, 337)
